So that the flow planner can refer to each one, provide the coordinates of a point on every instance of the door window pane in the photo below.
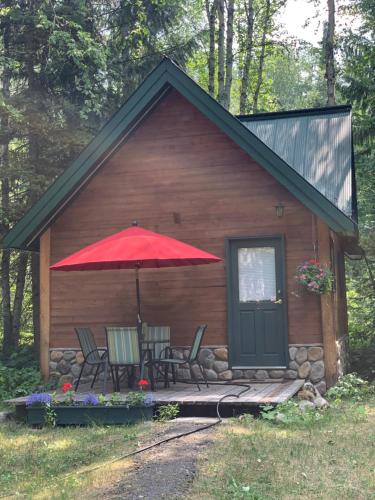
(256, 274)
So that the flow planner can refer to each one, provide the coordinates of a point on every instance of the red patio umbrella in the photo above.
(134, 248)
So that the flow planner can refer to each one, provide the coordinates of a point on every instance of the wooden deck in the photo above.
(259, 393)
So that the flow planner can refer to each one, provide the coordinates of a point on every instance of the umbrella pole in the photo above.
(139, 320)
(139, 316)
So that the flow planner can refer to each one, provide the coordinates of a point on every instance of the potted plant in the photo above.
(44, 408)
(314, 277)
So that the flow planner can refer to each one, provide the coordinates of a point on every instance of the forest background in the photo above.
(67, 65)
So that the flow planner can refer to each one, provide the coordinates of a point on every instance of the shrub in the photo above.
(290, 413)
(19, 375)
(167, 412)
(362, 361)
(16, 382)
(350, 386)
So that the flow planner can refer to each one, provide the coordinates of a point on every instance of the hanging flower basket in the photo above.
(314, 277)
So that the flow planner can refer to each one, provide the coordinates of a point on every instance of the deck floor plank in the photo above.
(259, 393)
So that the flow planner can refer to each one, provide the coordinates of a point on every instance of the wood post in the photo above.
(327, 309)
(45, 301)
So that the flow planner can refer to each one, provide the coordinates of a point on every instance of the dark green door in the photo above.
(256, 302)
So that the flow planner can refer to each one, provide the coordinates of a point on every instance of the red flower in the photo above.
(67, 387)
(313, 261)
(143, 382)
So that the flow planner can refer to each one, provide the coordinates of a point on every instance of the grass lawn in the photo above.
(34, 462)
(329, 459)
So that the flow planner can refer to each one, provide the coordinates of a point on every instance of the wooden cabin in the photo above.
(273, 189)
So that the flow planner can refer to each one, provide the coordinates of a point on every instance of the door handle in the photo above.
(280, 301)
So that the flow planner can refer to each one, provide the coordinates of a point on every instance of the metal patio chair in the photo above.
(124, 351)
(170, 362)
(91, 355)
(157, 338)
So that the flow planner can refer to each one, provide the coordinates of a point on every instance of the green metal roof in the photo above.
(167, 74)
(317, 143)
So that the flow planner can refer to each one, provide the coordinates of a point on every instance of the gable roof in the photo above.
(317, 143)
(167, 74)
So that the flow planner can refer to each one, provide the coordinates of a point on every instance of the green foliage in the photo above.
(362, 361)
(19, 375)
(115, 399)
(167, 412)
(351, 387)
(290, 414)
(102, 399)
(49, 416)
(135, 398)
(357, 85)
(16, 382)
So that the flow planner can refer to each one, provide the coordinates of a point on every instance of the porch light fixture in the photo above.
(279, 209)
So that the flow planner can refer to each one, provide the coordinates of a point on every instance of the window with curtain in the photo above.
(256, 274)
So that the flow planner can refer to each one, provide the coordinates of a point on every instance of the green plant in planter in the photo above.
(69, 393)
(116, 399)
(314, 277)
(41, 409)
(135, 399)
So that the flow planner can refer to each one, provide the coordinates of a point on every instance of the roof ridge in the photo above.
(324, 110)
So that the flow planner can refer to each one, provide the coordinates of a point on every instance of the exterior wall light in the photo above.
(279, 209)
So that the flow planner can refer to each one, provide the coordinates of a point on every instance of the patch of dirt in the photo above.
(165, 471)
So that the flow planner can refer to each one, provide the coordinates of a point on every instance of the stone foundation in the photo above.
(305, 362)
(65, 366)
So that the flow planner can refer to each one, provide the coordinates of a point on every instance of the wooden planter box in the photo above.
(84, 415)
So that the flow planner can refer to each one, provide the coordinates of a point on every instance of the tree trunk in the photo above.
(229, 54)
(329, 42)
(211, 16)
(8, 341)
(36, 90)
(35, 299)
(267, 15)
(245, 77)
(221, 48)
(18, 296)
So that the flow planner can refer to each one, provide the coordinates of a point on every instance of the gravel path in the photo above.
(165, 471)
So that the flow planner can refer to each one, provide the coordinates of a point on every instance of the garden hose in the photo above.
(246, 387)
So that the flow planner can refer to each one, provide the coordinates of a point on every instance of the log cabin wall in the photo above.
(177, 174)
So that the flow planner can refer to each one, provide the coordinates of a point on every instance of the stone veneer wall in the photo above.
(306, 362)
